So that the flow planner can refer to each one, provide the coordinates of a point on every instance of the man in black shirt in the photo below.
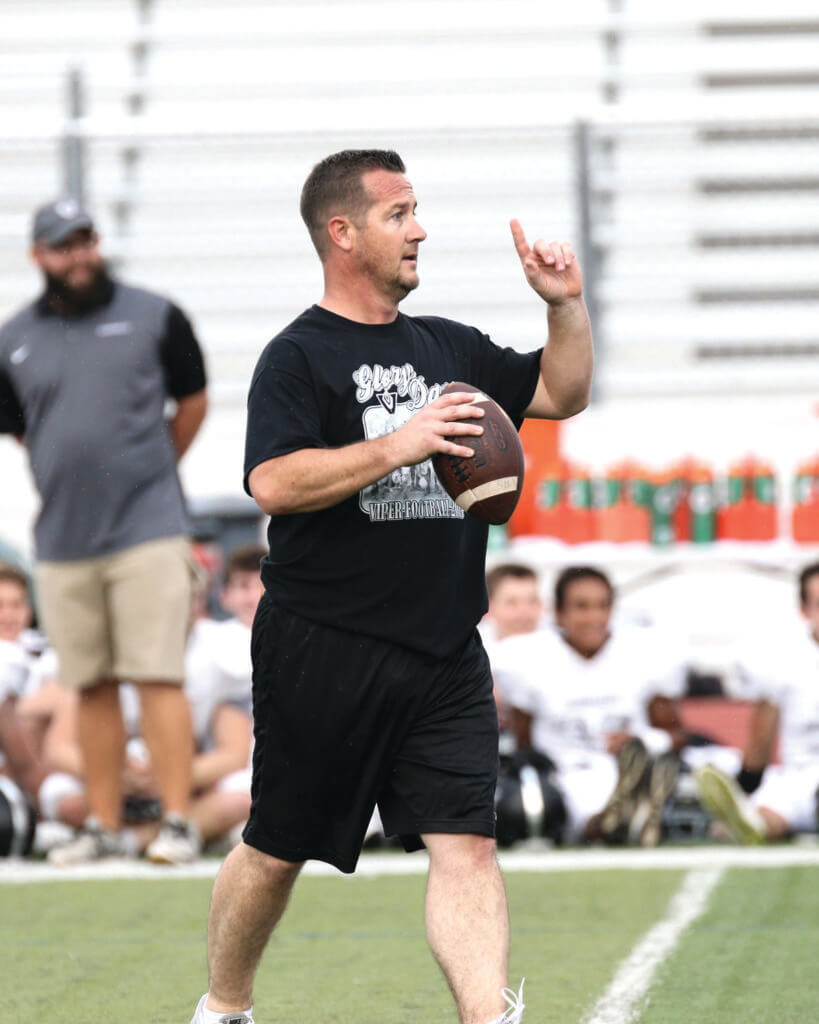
(370, 682)
(85, 373)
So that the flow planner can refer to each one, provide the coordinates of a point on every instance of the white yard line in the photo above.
(375, 865)
(622, 1000)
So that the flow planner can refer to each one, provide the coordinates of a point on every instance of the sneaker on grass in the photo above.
(178, 842)
(90, 843)
(722, 797)
(514, 1013)
(204, 1016)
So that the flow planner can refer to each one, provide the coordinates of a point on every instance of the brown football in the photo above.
(488, 484)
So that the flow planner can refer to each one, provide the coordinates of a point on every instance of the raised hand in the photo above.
(550, 267)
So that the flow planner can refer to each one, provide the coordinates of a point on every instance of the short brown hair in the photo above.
(243, 559)
(11, 574)
(335, 186)
(805, 577)
(508, 571)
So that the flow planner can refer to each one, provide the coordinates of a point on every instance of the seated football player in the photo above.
(771, 801)
(19, 660)
(218, 685)
(515, 607)
(601, 704)
(515, 604)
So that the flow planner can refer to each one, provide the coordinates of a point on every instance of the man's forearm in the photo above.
(213, 765)
(317, 478)
(568, 358)
(762, 732)
(185, 424)
(23, 764)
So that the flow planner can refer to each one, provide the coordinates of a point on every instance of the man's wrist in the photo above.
(566, 303)
(387, 452)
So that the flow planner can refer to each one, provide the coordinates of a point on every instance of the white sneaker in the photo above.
(178, 842)
(722, 797)
(514, 1014)
(226, 1018)
(89, 843)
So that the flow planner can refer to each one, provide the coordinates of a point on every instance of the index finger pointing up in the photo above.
(521, 244)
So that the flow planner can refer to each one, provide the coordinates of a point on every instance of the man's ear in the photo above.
(34, 253)
(342, 232)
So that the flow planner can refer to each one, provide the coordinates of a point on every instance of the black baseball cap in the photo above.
(55, 221)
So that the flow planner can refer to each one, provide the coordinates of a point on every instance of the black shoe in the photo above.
(662, 782)
(632, 761)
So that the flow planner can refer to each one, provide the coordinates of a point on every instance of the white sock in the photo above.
(207, 1016)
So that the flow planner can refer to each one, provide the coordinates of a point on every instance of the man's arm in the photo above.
(232, 738)
(12, 416)
(761, 736)
(315, 478)
(185, 379)
(186, 421)
(664, 713)
(61, 750)
(567, 361)
(24, 765)
(522, 728)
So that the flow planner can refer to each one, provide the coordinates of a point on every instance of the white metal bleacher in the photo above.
(704, 169)
(712, 232)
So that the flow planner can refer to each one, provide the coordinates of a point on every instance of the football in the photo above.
(488, 484)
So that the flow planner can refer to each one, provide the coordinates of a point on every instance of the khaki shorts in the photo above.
(120, 616)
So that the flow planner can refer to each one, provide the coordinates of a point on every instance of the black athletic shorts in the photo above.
(344, 721)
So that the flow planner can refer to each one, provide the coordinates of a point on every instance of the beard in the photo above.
(67, 299)
(395, 285)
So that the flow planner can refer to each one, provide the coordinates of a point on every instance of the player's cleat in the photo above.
(178, 842)
(514, 1013)
(203, 1016)
(663, 780)
(89, 843)
(632, 761)
(722, 797)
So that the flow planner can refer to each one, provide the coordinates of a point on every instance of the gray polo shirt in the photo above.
(88, 393)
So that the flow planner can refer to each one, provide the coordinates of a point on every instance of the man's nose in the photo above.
(417, 233)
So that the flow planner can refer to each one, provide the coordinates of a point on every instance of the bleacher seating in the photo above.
(204, 117)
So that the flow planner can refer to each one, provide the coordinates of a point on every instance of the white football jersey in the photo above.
(575, 702)
(25, 665)
(788, 675)
(218, 671)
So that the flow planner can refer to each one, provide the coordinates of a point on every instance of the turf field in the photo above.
(604, 940)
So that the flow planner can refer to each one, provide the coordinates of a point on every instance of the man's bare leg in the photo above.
(101, 738)
(468, 922)
(168, 735)
(249, 897)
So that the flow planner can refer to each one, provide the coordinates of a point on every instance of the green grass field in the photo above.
(352, 950)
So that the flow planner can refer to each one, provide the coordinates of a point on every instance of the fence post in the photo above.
(74, 145)
(588, 252)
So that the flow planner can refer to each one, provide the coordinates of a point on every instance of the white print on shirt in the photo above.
(409, 492)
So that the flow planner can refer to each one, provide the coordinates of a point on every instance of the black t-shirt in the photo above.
(398, 560)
